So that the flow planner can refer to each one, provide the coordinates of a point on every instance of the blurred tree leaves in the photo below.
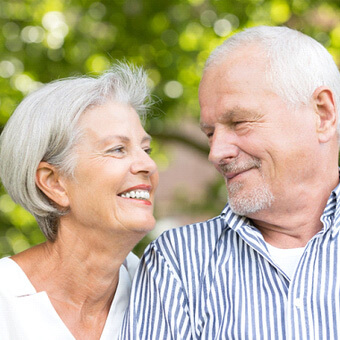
(43, 40)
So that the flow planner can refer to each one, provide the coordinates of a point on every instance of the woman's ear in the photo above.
(50, 182)
(325, 108)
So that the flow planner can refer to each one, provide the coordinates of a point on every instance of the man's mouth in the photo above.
(231, 170)
(231, 175)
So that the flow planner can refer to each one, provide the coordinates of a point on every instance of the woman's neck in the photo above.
(80, 275)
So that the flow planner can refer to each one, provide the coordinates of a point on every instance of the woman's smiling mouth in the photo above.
(139, 192)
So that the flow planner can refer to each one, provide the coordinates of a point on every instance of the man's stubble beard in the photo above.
(249, 201)
(245, 201)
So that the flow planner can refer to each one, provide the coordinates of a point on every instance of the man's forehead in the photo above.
(242, 57)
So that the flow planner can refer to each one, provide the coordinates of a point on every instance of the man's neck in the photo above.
(286, 237)
(293, 225)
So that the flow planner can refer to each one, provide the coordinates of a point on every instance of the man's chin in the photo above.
(252, 202)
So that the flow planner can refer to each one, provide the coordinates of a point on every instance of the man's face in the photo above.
(262, 147)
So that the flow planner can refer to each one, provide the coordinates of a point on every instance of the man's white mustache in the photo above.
(236, 166)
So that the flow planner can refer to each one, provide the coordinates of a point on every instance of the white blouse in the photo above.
(28, 315)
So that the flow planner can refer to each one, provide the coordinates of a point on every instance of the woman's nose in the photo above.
(143, 163)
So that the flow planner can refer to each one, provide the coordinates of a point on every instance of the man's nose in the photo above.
(223, 146)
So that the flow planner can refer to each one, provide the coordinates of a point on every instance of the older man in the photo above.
(269, 266)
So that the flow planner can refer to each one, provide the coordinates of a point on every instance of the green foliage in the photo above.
(43, 40)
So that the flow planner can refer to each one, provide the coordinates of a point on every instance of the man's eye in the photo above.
(241, 124)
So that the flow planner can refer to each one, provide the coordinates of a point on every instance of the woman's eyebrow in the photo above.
(146, 138)
(108, 139)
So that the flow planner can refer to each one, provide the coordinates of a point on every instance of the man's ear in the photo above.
(50, 182)
(325, 108)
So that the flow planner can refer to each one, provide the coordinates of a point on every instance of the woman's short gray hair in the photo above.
(297, 64)
(44, 128)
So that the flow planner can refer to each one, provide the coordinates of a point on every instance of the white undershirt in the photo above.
(286, 259)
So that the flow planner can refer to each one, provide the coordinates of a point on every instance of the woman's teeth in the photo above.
(138, 194)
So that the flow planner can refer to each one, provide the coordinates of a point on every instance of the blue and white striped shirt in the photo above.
(217, 280)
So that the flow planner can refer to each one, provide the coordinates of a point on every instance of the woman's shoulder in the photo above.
(6, 263)
(13, 279)
(8, 272)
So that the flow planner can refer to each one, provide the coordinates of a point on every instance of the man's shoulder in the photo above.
(187, 251)
(213, 226)
(189, 239)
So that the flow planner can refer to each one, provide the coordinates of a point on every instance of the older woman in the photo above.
(75, 155)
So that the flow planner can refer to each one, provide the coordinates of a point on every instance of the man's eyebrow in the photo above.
(239, 112)
(234, 113)
(204, 126)
(224, 117)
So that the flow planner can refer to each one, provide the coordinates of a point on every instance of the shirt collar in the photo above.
(332, 210)
(331, 213)
(246, 230)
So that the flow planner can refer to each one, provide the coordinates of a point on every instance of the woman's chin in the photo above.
(143, 225)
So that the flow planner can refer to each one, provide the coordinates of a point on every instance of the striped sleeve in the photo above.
(158, 306)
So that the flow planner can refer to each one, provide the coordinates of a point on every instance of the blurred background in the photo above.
(43, 40)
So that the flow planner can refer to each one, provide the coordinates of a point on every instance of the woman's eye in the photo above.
(148, 150)
(118, 149)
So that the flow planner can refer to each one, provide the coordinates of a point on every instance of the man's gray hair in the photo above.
(44, 127)
(297, 64)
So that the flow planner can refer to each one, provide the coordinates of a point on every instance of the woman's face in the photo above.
(115, 178)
